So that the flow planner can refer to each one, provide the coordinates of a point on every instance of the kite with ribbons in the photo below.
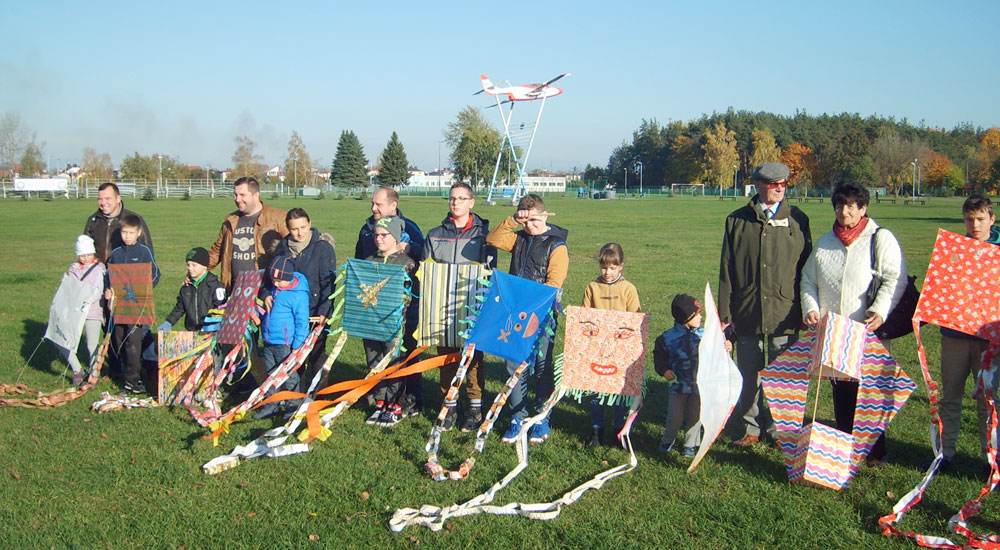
(961, 291)
(606, 357)
(814, 453)
(369, 302)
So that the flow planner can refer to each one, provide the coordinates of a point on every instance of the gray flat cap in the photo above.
(770, 171)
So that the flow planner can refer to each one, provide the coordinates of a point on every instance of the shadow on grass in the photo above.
(35, 351)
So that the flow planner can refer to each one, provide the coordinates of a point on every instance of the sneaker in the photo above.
(689, 451)
(135, 387)
(267, 411)
(373, 419)
(78, 379)
(449, 419)
(473, 420)
(595, 438)
(410, 408)
(665, 448)
(513, 431)
(540, 432)
(389, 418)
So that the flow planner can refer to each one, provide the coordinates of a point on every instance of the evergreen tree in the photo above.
(348, 169)
(394, 166)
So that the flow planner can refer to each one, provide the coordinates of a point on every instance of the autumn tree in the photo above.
(97, 168)
(720, 156)
(936, 172)
(764, 147)
(246, 160)
(148, 168)
(348, 168)
(685, 161)
(892, 157)
(474, 145)
(985, 168)
(32, 159)
(298, 164)
(393, 166)
(799, 160)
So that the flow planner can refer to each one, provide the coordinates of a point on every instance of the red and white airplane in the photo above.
(527, 92)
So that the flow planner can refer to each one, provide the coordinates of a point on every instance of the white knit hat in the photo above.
(85, 245)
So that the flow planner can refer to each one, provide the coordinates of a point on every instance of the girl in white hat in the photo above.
(91, 272)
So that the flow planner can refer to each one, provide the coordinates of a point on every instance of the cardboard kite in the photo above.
(376, 300)
(179, 350)
(961, 291)
(447, 299)
(132, 285)
(718, 375)
(240, 307)
(814, 453)
(606, 357)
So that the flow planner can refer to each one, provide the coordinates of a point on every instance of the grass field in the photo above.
(71, 478)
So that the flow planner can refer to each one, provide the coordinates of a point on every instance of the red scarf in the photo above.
(848, 236)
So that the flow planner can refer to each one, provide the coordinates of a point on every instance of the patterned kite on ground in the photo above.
(179, 350)
(818, 454)
(961, 291)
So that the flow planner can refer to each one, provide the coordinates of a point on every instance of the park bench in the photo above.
(915, 201)
(880, 201)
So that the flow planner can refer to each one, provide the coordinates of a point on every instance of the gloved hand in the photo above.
(164, 327)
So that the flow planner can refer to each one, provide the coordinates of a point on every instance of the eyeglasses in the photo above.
(382, 235)
(777, 183)
(459, 199)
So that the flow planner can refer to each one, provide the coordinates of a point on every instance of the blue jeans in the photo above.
(273, 355)
(541, 375)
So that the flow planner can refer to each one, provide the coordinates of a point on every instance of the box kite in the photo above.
(961, 291)
(606, 356)
(814, 453)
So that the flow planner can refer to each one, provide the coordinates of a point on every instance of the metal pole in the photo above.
(640, 178)
(159, 173)
(625, 192)
(913, 184)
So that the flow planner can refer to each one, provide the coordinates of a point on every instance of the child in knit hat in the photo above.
(91, 272)
(675, 357)
(200, 292)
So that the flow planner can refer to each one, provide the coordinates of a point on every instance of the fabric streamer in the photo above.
(883, 390)
(960, 292)
(720, 377)
(448, 296)
(609, 355)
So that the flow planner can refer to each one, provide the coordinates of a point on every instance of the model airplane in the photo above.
(527, 92)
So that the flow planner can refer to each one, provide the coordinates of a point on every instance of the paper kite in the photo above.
(447, 299)
(961, 291)
(818, 454)
(179, 350)
(133, 288)
(68, 312)
(375, 299)
(606, 357)
(719, 379)
(515, 312)
(240, 307)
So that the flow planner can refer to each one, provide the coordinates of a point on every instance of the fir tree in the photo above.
(348, 169)
(394, 169)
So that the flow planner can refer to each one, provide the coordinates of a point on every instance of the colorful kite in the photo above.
(607, 358)
(960, 292)
(818, 454)
(720, 377)
(375, 300)
(178, 352)
(132, 285)
(240, 307)
(447, 299)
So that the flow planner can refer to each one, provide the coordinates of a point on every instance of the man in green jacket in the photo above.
(763, 251)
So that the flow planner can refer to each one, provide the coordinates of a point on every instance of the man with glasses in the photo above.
(385, 203)
(461, 239)
(766, 243)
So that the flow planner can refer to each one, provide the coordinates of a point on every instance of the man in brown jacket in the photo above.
(248, 236)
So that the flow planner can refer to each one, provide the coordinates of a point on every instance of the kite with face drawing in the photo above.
(605, 356)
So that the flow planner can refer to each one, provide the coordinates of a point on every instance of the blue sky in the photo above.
(185, 78)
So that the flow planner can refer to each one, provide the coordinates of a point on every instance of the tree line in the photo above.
(722, 148)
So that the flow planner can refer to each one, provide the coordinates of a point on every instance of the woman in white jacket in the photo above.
(836, 278)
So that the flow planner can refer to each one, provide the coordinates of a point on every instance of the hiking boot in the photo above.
(473, 420)
(540, 432)
(595, 438)
(513, 431)
(449, 419)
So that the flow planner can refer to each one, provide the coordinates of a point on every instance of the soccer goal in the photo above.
(694, 189)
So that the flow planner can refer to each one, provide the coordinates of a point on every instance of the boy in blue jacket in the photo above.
(286, 324)
(675, 357)
(128, 338)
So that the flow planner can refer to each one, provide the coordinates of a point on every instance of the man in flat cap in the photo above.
(764, 248)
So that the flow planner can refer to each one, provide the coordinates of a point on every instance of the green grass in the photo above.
(72, 478)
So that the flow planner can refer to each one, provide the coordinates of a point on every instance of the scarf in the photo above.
(848, 236)
(296, 247)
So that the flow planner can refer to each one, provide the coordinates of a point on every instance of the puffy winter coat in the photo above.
(194, 301)
(318, 262)
(287, 324)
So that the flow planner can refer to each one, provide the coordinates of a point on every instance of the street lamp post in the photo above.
(736, 171)
(159, 173)
(913, 185)
(295, 176)
(625, 191)
(640, 178)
